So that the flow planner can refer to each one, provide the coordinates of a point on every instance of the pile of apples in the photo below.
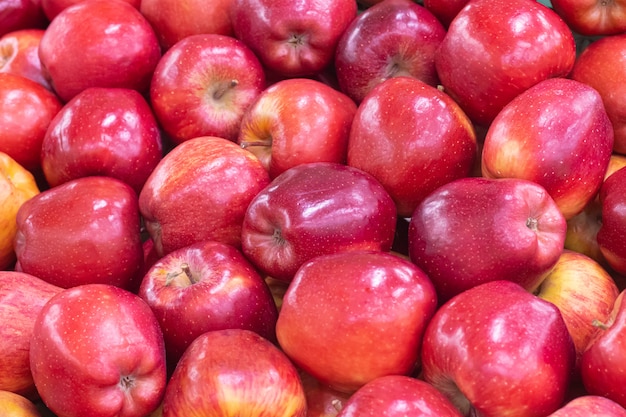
(312, 208)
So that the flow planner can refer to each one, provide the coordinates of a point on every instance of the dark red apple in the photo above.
(591, 17)
(19, 54)
(21, 14)
(445, 10)
(611, 233)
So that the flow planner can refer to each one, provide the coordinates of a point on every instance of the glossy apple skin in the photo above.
(292, 38)
(103, 341)
(602, 65)
(557, 134)
(234, 372)
(297, 121)
(17, 185)
(83, 231)
(583, 291)
(52, 8)
(22, 296)
(502, 47)
(445, 10)
(19, 54)
(206, 286)
(498, 349)
(316, 209)
(475, 230)
(27, 110)
(174, 20)
(16, 405)
(21, 14)
(102, 131)
(590, 405)
(99, 43)
(593, 18)
(203, 85)
(391, 38)
(376, 306)
(200, 191)
(412, 138)
(613, 229)
(398, 396)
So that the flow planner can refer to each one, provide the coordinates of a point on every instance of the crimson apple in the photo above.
(19, 54)
(557, 134)
(98, 350)
(21, 14)
(297, 121)
(200, 190)
(202, 86)
(375, 307)
(445, 10)
(590, 405)
(52, 8)
(234, 372)
(391, 38)
(593, 18)
(495, 49)
(206, 286)
(412, 138)
(316, 209)
(398, 396)
(16, 405)
(497, 350)
(102, 131)
(475, 230)
(86, 230)
(27, 110)
(611, 233)
(99, 43)
(292, 38)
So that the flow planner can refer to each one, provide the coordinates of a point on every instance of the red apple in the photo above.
(496, 49)
(412, 138)
(375, 307)
(22, 296)
(497, 350)
(102, 131)
(21, 14)
(234, 372)
(292, 38)
(316, 209)
(83, 231)
(27, 110)
(591, 17)
(389, 39)
(398, 396)
(52, 8)
(200, 191)
(297, 121)
(15, 405)
(206, 286)
(611, 233)
(321, 399)
(203, 84)
(174, 20)
(99, 43)
(19, 54)
(602, 65)
(445, 10)
(557, 134)
(590, 405)
(98, 350)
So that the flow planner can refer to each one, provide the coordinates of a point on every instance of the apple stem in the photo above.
(597, 323)
(258, 143)
(184, 269)
(337, 405)
(219, 93)
(532, 223)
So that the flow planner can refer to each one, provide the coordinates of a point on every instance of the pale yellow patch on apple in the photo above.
(15, 405)
(258, 127)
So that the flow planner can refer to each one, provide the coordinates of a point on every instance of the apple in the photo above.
(315, 209)
(102, 131)
(16, 405)
(398, 396)
(83, 231)
(583, 291)
(97, 350)
(21, 14)
(389, 39)
(200, 190)
(557, 134)
(602, 65)
(174, 20)
(297, 121)
(590, 405)
(19, 54)
(611, 233)
(496, 49)
(99, 43)
(474, 230)
(412, 138)
(593, 18)
(52, 8)
(206, 286)
(497, 350)
(234, 372)
(202, 86)
(375, 307)
(27, 110)
(321, 400)
(22, 296)
(445, 10)
(293, 39)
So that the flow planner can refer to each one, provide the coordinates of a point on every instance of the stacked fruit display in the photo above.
(312, 208)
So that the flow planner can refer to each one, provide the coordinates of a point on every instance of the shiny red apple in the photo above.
(445, 10)
(19, 54)
(52, 8)
(590, 405)
(21, 14)
(593, 18)
(611, 233)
